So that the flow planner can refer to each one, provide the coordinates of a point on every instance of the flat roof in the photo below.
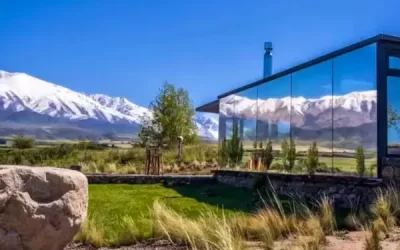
(381, 37)
(211, 107)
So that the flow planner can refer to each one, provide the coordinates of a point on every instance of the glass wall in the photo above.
(274, 111)
(226, 116)
(246, 115)
(311, 116)
(354, 109)
(331, 104)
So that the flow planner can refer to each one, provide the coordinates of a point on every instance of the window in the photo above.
(246, 114)
(274, 111)
(226, 114)
(355, 109)
(394, 62)
(393, 109)
(311, 116)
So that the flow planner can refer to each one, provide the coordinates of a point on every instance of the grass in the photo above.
(109, 205)
(217, 217)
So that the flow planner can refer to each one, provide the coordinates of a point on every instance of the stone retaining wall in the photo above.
(346, 191)
(149, 179)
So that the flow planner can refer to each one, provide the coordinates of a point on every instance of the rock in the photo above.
(41, 208)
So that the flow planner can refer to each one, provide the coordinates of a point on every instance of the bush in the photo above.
(360, 158)
(277, 166)
(22, 142)
(312, 158)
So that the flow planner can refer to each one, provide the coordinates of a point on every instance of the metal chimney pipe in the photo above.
(267, 59)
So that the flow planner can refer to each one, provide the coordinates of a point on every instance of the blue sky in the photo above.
(129, 48)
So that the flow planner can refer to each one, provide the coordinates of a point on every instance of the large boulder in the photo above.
(41, 208)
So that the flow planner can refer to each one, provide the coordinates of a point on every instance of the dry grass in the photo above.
(210, 231)
(327, 217)
(91, 233)
(383, 209)
(373, 240)
(131, 233)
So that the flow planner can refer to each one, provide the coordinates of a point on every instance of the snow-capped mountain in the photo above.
(350, 110)
(25, 99)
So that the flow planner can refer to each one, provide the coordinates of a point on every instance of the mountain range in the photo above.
(32, 106)
(351, 117)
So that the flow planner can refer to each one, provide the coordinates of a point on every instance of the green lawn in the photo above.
(109, 203)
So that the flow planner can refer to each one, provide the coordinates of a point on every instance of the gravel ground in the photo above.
(157, 245)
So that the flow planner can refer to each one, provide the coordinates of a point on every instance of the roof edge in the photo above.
(377, 38)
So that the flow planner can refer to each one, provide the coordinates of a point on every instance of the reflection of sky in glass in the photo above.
(394, 62)
(393, 90)
(277, 88)
(355, 71)
(313, 82)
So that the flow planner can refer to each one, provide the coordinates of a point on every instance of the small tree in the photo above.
(22, 142)
(235, 147)
(284, 152)
(312, 158)
(254, 144)
(268, 157)
(260, 145)
(171, 116)
(291, 156)
(223, 153)
(360, 161)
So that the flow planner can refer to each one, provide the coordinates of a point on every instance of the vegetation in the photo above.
(189, 215)
(360, 161)
(95, 158)
(116, 211)
(268, 156)
(291, 155)
(284, 153)
(21, 142)
(312, 159)
(172, 116)
(232, 151)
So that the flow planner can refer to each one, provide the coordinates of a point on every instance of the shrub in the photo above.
(209, 231)
(284, 152)
(90, 233)
(268, 157)
(291, 156)
(327, 218)
(277, 166)
(373, 241)
(22, 142)
(360, 159)
(312, 158)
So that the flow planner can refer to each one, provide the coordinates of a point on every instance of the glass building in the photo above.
(344, 100)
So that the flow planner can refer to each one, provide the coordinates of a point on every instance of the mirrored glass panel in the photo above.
(246, 115)
(226, 114)
(394, 62)
(355, 111)
(393, 109)
(274, 115)
(311, 116)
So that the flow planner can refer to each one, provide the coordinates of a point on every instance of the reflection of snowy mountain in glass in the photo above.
(349, 116)
(359, 106)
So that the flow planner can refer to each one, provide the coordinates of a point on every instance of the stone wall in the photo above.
(148, 179)
(346, 191)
